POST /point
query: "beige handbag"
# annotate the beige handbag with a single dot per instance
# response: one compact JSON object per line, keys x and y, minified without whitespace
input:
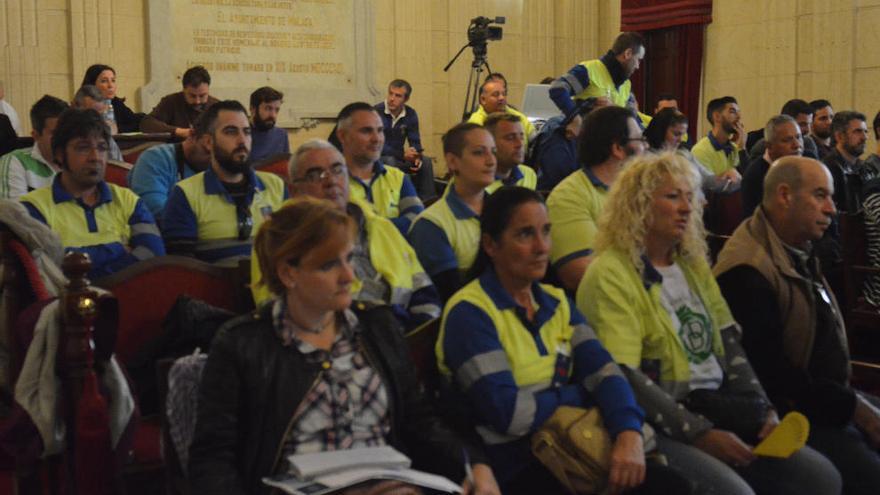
{"x":574,"y":445}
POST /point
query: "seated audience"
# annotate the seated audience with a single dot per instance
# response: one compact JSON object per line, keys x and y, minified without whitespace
{"x":554,"y":150}
{"x":446,"y":236}
{"x":360,"y":131}
{"x":160,"y":167}
{"x":123,"y":118}
{"x":721,"y":151}
{"x":850,"y":136}
{"x":305,"y":374}
{"x":26,"y":169}
{"x":665,"y":133}
{"x":782,"y":137}
{"x":494,"y":342}
{"x":655,"y":306}
{"x":802,"y":113}
{"x":213,"y":214}
{"x":89,"y":96}
{"x":177,"y":113}
{"x":608,"y":137}
{"x":793,"y":330}
{"x":823,"y":114}
{"x":493,"y":98}
{"x":510,"y":152}
{"x":9,"y":110}
{"x":386,"y":268}
{"x":607,"y":78}
{"x":107,"y":222}
{"x":267,"y":139}
{"x":403,"y":143}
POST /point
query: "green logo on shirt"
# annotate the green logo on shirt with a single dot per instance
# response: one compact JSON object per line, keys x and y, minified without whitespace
{"x":695,"y":334}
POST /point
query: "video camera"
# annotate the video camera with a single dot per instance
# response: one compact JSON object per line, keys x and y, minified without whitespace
{"x":480,"y":31}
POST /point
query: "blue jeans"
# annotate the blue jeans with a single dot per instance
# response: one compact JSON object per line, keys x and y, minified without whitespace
{"x":848,"y":449}
{"x":805,"y":473}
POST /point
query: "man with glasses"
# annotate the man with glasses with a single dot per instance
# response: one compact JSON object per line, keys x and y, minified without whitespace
{"x":109,"y":223}
{"x":214,"y":214}
{"x":387,"y":270}
{"x":608,"y":137}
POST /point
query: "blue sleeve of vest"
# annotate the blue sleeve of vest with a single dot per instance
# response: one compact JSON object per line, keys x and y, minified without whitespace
{"x":432,"y":247}
{"x":557,"y":159}
{"x":410,"y":206}
{"x":35,"y":213}
{"x":145,"y":243}
{"x":470,"y":338}
{"x":612,"y":393}
{"x":424,"y":305}
{"x":153,"y":176}
{"x":571,"y":83}
{"x":178,"y":219}
{"x":286,"y":193}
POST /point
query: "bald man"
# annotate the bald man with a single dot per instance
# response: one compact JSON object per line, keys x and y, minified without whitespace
{"x":793,"y":331}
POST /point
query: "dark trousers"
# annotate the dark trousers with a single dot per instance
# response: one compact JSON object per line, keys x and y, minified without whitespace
{"x":423,"y":179}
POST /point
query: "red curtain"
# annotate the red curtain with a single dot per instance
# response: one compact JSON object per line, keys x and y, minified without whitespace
{"x":688,"y":18}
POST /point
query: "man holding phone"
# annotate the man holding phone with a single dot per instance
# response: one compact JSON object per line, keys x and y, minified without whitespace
{"x":722,"y":150}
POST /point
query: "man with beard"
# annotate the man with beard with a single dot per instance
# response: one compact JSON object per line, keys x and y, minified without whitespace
{"x":105,"y":221}
{"x":160,"y":167}
{"x":821,"y":132}
{"x":391,"y":193}
{"x":267,"y":139}
{"x":850,"y":135}
{"x":605,"y":78}
{"x":720,"y":150}
{"x":608,"y":137}
{"x":177,"y":112}
{"x":510,"y":152}
{"x":214,"y":215}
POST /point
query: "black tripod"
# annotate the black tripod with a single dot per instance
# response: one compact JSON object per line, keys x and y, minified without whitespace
{"x":472,"y":97}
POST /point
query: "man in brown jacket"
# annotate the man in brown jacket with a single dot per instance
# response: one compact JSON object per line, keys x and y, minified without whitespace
{"x":177,"y":112}
{"x":793,"y":331}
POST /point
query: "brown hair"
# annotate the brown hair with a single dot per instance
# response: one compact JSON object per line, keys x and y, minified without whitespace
{"x":298,"y":227}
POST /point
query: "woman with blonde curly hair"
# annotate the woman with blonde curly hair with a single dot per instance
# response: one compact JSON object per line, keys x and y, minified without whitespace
{"x":654,"y":304}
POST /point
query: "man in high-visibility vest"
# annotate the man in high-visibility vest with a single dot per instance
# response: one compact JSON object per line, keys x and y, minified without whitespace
{"x":605,"y":78}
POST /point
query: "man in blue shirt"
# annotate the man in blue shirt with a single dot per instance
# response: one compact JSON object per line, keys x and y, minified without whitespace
{"x":267,"y":140}
{"x":403,"y":144}
{"x":159,"y":168}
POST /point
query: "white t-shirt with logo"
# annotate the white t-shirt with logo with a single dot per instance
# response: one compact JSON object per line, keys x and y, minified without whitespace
{"x":693,"y":326}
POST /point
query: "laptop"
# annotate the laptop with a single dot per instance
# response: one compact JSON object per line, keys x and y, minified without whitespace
{"x":537,"y":104}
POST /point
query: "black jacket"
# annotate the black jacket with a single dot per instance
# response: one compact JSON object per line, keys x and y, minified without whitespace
{"x":252,"y":385}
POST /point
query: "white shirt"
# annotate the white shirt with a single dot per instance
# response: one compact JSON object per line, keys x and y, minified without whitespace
{"x":10,"y":112}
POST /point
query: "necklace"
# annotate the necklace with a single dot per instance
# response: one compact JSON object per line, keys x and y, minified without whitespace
{"x":312,"y":330}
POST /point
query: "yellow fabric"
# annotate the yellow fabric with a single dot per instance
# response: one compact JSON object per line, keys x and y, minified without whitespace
{"x":385,"y":191}
{"x":716,"y":161}
{"x":69,"y":222}
{"x":601,"y":84}
{"x":216,"y":217}
{"x":390,"y":255}
{"x":527,"y":364}
{"x":463,"y":234}
{"x":632,"y":323}
{"x":574,"y":206}
{"x":529,"y":180}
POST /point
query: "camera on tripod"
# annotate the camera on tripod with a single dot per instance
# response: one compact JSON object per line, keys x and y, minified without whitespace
{"x":480,"y":31}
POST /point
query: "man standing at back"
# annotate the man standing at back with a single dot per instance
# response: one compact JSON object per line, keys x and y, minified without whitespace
{"x":403,"y":142}
{"x":214,"y":215}
{"x":177,"y":112}
{"x":267,"y":139}
{"x":605,"y":78}
{"x":360,"y":131}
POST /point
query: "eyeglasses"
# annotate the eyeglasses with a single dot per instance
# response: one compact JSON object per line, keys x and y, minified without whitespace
{"x":245,"y":221}
{"x":317,"y":175}
{"x":643,"y":139}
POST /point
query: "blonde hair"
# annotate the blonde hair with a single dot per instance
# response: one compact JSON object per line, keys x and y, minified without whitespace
{"x":298,"y":227}
{"x":628,"y":210}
